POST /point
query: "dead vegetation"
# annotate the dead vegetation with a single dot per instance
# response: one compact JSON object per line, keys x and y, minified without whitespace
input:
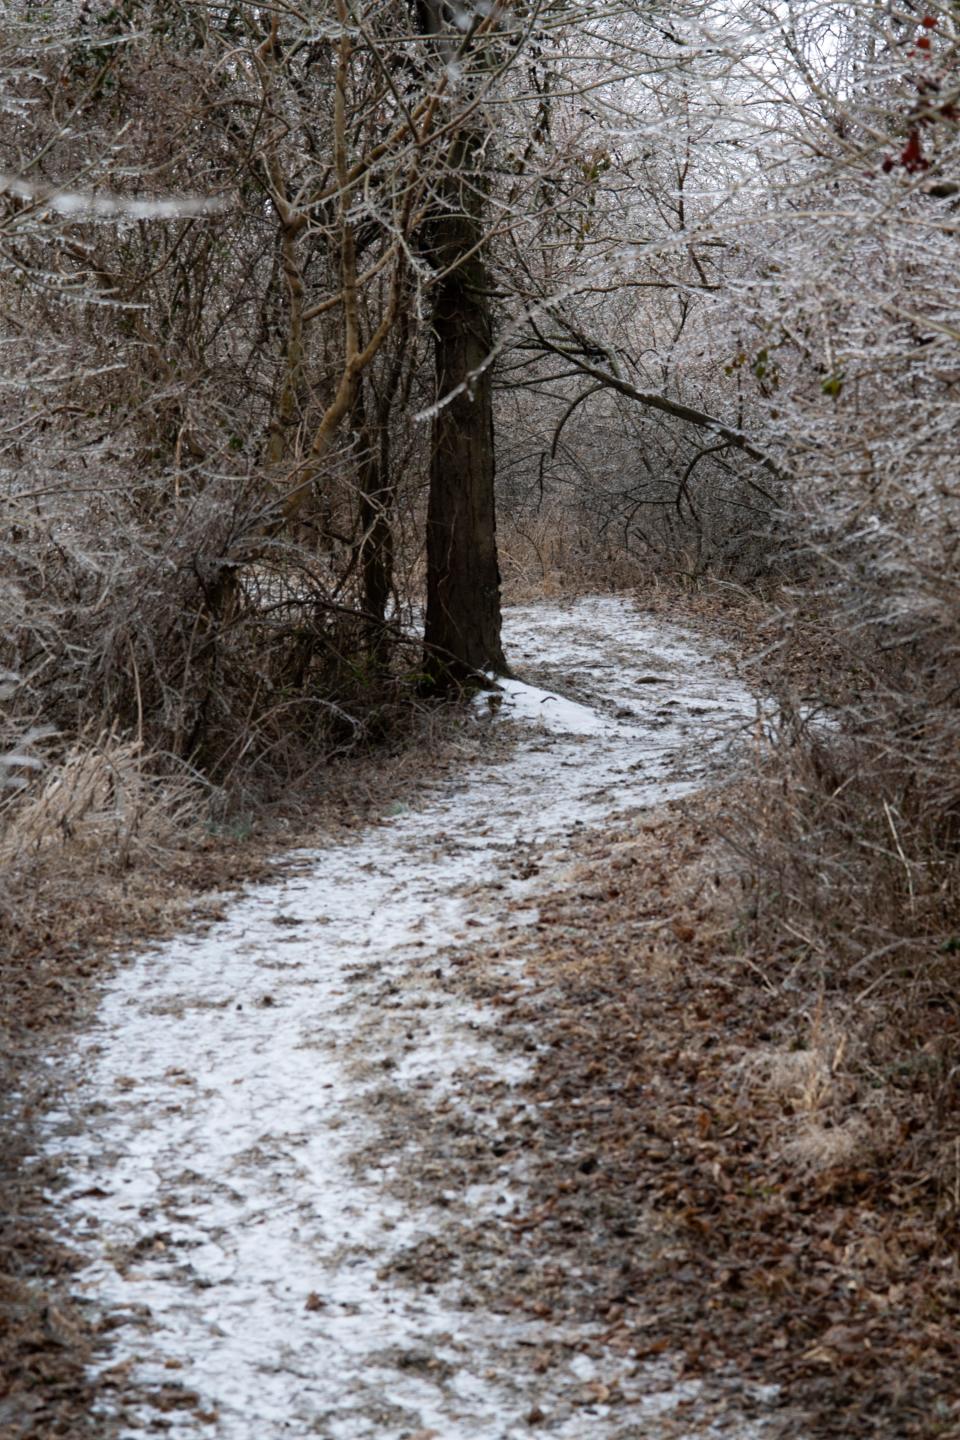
{"x":172,"y":667}
{"x":740,"y":1157}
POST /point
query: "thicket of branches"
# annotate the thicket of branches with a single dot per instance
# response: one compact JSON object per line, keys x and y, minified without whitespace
{"x":852,"y":335}
{"x":706,"y":262}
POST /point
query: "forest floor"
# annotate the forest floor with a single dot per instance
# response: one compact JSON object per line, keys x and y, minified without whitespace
{"x":477,"y":1120}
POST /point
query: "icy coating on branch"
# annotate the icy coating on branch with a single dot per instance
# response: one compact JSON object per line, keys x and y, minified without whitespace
{"x":88,"y":203}
{"x":214,"y":1120}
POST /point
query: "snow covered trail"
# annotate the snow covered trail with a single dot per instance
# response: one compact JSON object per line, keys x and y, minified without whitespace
{"x":220,"y":1119}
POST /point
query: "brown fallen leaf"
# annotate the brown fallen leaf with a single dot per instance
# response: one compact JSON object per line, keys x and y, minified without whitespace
{"x":595,"y":1393}
{"x":656,"y":1347}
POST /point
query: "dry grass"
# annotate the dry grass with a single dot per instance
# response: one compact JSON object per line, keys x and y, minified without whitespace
{"x":845,"y":838}
{"x":855,"y":881}
{"x":135,"y":837}
{"x":106,"y":798}
{"x":94,"y":843}
{"x":828,"y":1122}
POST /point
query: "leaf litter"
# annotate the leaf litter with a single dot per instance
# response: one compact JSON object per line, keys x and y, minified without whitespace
{"x":303,"y":1150}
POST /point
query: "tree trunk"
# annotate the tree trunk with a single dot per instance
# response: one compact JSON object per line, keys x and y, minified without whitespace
{"x":462,"y":632}
{"x":376,"y":504}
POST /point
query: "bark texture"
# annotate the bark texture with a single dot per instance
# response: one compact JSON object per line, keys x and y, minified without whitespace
{"x":462,"y":632}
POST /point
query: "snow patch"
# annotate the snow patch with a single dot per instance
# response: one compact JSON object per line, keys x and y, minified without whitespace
{"x":551,"y":712}
{"x":212,"y":1121}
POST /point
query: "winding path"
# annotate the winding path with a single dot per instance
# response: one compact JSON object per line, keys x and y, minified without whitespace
{"x":239,"y":1158}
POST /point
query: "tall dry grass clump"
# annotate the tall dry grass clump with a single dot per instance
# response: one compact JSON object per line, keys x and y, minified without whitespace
{"x":78,"y":818}
{"x":100,"y":798}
